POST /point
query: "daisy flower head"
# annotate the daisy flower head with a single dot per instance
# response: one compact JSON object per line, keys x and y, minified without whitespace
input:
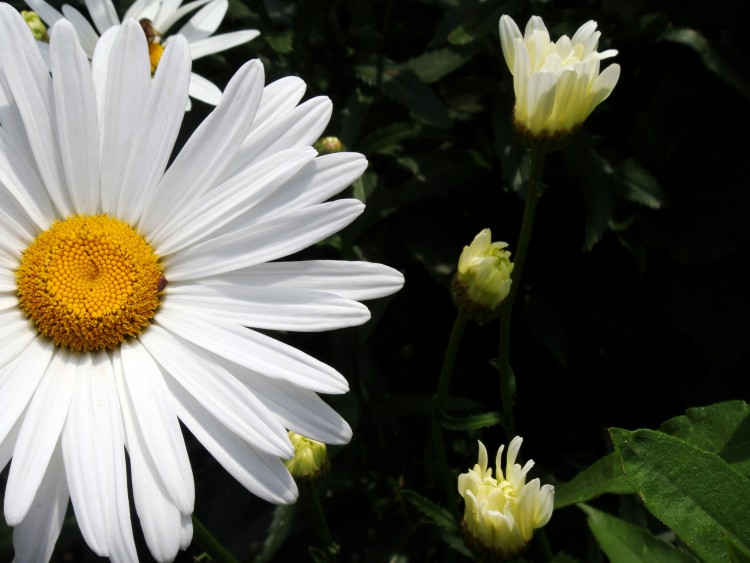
{"x":127,"y":286}
{"x":157,"y":17}
{"x":557,"y":83}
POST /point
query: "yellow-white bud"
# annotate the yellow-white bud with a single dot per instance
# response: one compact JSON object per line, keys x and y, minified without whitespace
{"x":557,"y":84}
{"x":35,"y":23}
{"x":482,"y":281}
{"x":310,"y":461}
{"x":502,"y":512}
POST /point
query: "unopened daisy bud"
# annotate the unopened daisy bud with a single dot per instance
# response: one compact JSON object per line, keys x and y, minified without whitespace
{"x":310,"y":461}
{"x":482,"y":281}
{"x":38,"y":29}
{"x":328,"y":145}
{"x":557,"y":84}
{"x":502,"y":512}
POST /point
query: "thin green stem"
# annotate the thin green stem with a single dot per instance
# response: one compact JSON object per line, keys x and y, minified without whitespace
{"x":543,"y":542}
{"x":507,"y":379}
{"x":330,"y":548}
{"x":438,"y":410}
{"x":208,"y":543}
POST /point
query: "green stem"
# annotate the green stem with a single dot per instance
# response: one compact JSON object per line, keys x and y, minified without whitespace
{"x":543,"y":542}
{"x":208,"y":543}
{"x":438,"y":410}
{"x":507,"y":379}
{"x":330,"y":548}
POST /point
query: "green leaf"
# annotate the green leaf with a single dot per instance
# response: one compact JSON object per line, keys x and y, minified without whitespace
{"x":406,"y":88}
{"x":431,"y":66}
{"x":440,"y":517}
{"x":604,"y":476}
{"x":713,"y":61}
{"x":636,"y":184}
{"x":737,"y":553}
{"x":282,"y":43}
{"x":624,"y":542}
{"x":388,"y":139}
{"x":695,"y":493}
{"x":472,"y":422}
{"x":722,"y":428}
{"x":281,"y":525}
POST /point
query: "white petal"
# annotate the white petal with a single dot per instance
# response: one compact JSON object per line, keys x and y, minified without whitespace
{"x":14,"y":239}
{"x":210,"y":147}
{"x":39,"y":434}
{"x":262,"y":474}
{"x":583,"y":34}
{"x":19,"y":379}
{"x":34,"y":538}
{"x":164,"y":8}
{"x":298,"y":409}
{"x":103,"y":13}
{"x":85,"y":32}
{"x":251,"y":349}
{"x":540,"y":99}
{"x":93,"y":449}
{"x":149,"y":402}
{"x":205,"y":21}
{"x":221,"y":42}
{"x":100,"y":66}
{"x":273,"y":308}
{"x":159,"y":124}
{"x":279,"y":98}
{"x":218,"y":392}
{"x":275,"y":238}
{"x":166,"y":21}
{"x":321,"y":179}
{"x":159,"y":518}
{"x":8,"y":443}
{"x":200,"y":218}
{"x":16,"y":333}
{"x":204,"y":90}
{"x":352,"y":280}
{"x":603,"y":86}
{"x":77,"y":119}
{"x":126,"y":92}
{"x":509,"y":32}
{"x":31,"y":85}
{"x":186,"y":531}
{"x":302,"y":126}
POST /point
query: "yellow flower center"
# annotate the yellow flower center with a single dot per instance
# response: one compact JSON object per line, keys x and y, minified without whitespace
{"x":89,"y":281}
{"x":155,"y":51}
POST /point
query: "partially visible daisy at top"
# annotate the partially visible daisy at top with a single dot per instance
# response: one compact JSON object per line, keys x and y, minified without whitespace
{"x":157,"y":17}
{"x":557,"y":84}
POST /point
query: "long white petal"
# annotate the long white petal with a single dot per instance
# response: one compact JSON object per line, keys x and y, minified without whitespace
{"x":19,"y":379}
{"x":273,"y":308}
{"x":103,"y":13}
{"x":155,"y":417}
{"x":269,"y":240}
{"x":262,"y":474}
{"x":210,"y":147}
{"x":39,"y":435}
{"x":160,"y":519}
{"x":31,"y":85}
{"x":218,"y":391}
{"x":221,"y":42}
{"x":86,"y":34}
{"x":205,"y":215}
{"x":253,"y":350}
{"x":204,"y":90}
{"x":77,"y":117}
{"x":45,"y":10}
{"x":166,"y":21}
{"x":35,"y":537}
{"x":125,"y":95}
{"x":298,"y":409}
{"x":205,"y":21}
{"x":160,"y":122}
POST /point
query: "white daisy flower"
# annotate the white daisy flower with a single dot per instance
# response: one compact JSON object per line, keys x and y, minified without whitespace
{"x":126,"y":287}
{"x":157,"y":17}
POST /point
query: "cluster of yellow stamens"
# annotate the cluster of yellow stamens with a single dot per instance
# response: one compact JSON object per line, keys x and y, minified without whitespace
{"x":89,"y":281}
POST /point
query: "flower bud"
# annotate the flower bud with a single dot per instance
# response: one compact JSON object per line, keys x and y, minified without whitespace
{"x":329,"y":145}
{"x":35,"y":23}
{"x":482,"y":281}
{"x":310,"y":461}
{"x":502,"y":512}
{"x":557,"y":84}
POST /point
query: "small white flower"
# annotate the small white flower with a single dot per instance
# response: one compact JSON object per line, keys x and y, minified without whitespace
{"x":161,"y":15}
{"x":557,"y":84}
{"x":502,"y":512}
{"x":126,"y":286}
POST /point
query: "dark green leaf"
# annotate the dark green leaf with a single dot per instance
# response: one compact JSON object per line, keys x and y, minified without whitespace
{"x":604,"y":476}
{"x":434,"y":65}
{"x":281,"y":524}
{"x":440,"y":517}
{"x":695,"y":493}
{"x":737,"y":553}
{"x":473,"y":422}
{"x":282,"y":43}
{"x":624,"y":542}
{"x":407,"y":89}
